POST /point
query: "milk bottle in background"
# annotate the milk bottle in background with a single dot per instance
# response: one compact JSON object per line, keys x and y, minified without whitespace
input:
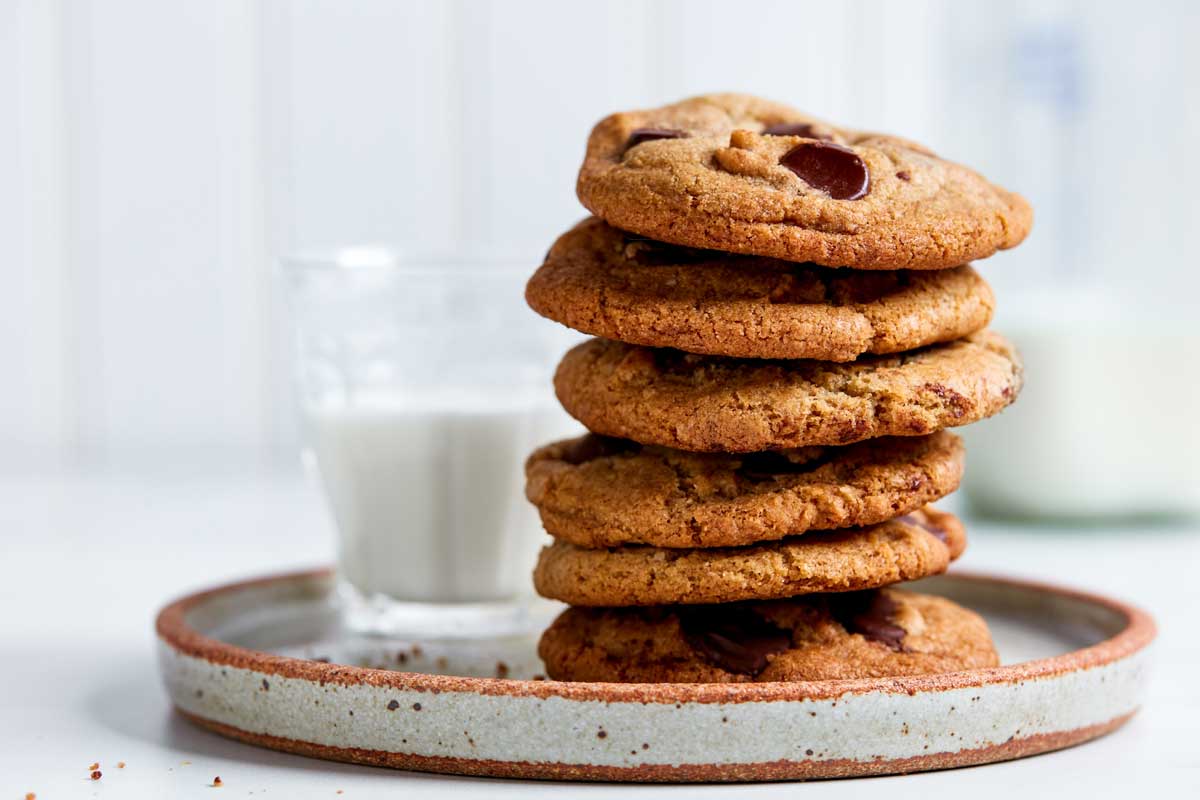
{"x":429,"y":503}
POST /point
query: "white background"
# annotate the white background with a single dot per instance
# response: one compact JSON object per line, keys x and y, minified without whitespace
{"x":157,"y":157}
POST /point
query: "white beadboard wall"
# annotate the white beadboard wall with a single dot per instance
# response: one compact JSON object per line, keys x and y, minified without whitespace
{"x":156,"y":158}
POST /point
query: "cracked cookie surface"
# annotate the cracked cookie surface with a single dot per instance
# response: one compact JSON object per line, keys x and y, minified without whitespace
{"x":602,"y":281}
{"x":873,"y":634}
{"x":594,"y":491}
{"x":715,"y":404}
{"x":913,"y":546}
{"x":740,"y":174}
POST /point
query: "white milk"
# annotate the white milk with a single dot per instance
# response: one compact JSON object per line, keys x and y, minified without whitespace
{"x":430,"y":505}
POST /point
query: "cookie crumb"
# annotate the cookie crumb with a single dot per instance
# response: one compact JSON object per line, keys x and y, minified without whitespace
{"x":217,"y":783}
{"x":97,"y":774}
{"x":416,"y":651}
{"x":30,"y":796}
{"x":93,"y":766}
{"x":120,"y":765}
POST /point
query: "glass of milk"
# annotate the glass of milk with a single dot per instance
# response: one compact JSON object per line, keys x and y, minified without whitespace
{"x":424,"y":385}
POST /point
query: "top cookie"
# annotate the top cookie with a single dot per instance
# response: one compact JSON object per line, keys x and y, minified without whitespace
{"x":736,"y":173}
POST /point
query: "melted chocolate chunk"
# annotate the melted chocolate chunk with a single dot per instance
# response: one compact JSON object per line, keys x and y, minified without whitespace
{"x":650,"y":134}
{"x":595,"y":446}
{"x":794,"y":129}
{"x":869,"y":614}
{"x":833,"y":169}
{"x":732,"y":637}
{"x":768,"y":465}
{"x":913,"y":519}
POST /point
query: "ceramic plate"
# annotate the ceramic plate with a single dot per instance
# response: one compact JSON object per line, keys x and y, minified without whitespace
{"x":265,"y":662}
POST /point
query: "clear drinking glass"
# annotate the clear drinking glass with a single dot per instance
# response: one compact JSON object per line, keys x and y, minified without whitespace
{"x":424,"y":384}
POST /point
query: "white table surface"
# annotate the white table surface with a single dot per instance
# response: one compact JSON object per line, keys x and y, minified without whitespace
{"x":89,"y":555}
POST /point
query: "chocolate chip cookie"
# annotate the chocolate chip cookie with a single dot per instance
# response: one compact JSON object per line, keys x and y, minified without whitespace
{"x":906,"y":548}
{"x":739,"y":174}
{"x":602,"y":281}
{"x":711,"y":404}
{"x":596,"y":491}
{"x":875,"y":633}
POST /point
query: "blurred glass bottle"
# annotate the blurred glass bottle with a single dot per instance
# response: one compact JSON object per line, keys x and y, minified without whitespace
{"x":1083,"y":117}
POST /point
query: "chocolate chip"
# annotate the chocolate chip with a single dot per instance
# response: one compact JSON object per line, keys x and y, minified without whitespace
{"x":769,"y":464}
{"x":869,"y":614}
{"x":833,"y":169}
{"x":393,"y":705}
{"x":904,"y":175}
{"x":925,"y":524}
{"x":593,"y":446}
{"x":958,"y":404}
{"x":732,"y":637}
{"x":650,"y":134}
{"x":794,"y":129}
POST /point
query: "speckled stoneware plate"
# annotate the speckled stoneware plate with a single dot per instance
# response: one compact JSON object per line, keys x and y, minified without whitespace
{"x":257,"y":661}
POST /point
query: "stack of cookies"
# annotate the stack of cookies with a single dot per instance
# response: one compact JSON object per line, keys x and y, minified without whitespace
{"x":787,"y":324}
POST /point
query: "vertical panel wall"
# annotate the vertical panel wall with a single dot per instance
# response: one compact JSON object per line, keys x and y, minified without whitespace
{"x":34,"y":329}
{"x":161,"y":156}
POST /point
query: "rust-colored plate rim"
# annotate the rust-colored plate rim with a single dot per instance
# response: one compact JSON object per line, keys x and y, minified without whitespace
{"x":785,"y":770}
{"x":174,"y":630}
